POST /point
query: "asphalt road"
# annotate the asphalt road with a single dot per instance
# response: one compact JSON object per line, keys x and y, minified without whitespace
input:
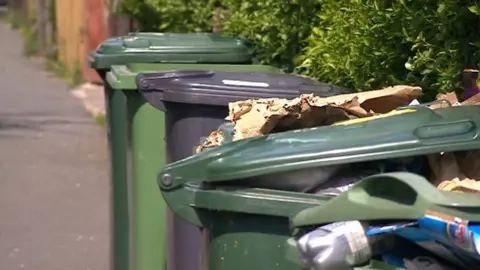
{"x":54,"y":188}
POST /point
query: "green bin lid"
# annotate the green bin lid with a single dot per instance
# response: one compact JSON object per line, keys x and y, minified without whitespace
{"x":123,"y":76}
{"x":170,"y":48}
{"x":421,"y":132}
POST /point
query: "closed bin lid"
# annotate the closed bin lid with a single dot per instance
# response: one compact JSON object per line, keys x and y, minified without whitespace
{"x":170,"y":48}
{"x":218,"y":88}
{"x":123,"y":76}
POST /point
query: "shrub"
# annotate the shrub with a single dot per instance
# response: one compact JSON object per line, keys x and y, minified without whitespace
{"x":170,"y":15}
{"x":365,"y":44}
{"x":278,"y":28}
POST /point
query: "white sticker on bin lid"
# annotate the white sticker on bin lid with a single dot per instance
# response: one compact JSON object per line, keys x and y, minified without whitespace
{"x":245,"y":83}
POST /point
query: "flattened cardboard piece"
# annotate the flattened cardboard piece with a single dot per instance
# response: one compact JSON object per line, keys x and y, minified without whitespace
{"x":451,"y":97}
{"x":444,"y":168}
{"x":456,"y":171}
{"x":262,"y":116}
{"x":456,"y":185}
{"x":378,"y":101}
{"x":474,"y":100}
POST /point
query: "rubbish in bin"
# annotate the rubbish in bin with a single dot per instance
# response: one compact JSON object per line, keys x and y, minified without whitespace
{"x":456,"y":171}
{"x":345,"y":179}
{"x":343,"y":245}
{"x":223,"y":134}
{"x":425,"y":263}
{"x":297,"y":114}
{"x":262,"y":116}
{"x":452,"y":99}
{"x":256,"y":117}
{"x":455,"y":234}
{"x":442,"y":169}
{"x":337,"y":246}
{"x":340,"y":184}
{"x":376,"y":198}
{"x":449,"y":98}
{"x":291,"y":153}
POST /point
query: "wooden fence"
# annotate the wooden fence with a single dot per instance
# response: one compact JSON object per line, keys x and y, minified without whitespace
{"x":45,"y":30}
{"x":70,"y":29}
{"x":70,"y":36}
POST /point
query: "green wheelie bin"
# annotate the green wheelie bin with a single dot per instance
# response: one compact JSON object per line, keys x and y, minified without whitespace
{"x":136,"y":133}
{"x":254,"y":196}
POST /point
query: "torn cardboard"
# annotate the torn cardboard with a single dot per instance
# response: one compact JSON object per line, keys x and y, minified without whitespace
{"x":450,"y":99}
{"x":258,"y":117}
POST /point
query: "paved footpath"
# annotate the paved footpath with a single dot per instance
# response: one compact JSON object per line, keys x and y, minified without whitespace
{"x":54,"y":186}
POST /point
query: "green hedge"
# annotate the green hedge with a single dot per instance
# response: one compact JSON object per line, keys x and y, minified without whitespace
{"x":280,"y":27}
{"x":369,"y":44}
{"x":360,"y":44}
{"x":170,"y":15}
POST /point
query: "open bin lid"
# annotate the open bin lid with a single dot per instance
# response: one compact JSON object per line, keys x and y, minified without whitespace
{"x":218,"y":88}
{"x":170,"y":48}
{"x":419,"y":132}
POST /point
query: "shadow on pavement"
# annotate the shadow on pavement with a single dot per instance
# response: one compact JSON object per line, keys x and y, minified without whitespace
{"x":38,"y":122}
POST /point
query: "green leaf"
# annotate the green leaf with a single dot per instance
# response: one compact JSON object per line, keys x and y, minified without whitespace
{"x":474,"y":10}
{"x":426,"y":71}
{"x":441,"y":8}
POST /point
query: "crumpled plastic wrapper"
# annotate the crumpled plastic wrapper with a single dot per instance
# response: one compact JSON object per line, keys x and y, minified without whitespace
{"x":223,"y":134}
{"x":256,"y":117}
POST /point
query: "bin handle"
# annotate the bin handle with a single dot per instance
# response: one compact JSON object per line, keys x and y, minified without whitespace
{"x":152,"y":81}
{"x":390,"y":196}
{"x":152,"y":84}
{"x":194,"y":202}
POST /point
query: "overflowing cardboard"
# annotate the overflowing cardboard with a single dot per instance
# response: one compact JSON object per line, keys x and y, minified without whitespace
{"x":256,"y":117}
